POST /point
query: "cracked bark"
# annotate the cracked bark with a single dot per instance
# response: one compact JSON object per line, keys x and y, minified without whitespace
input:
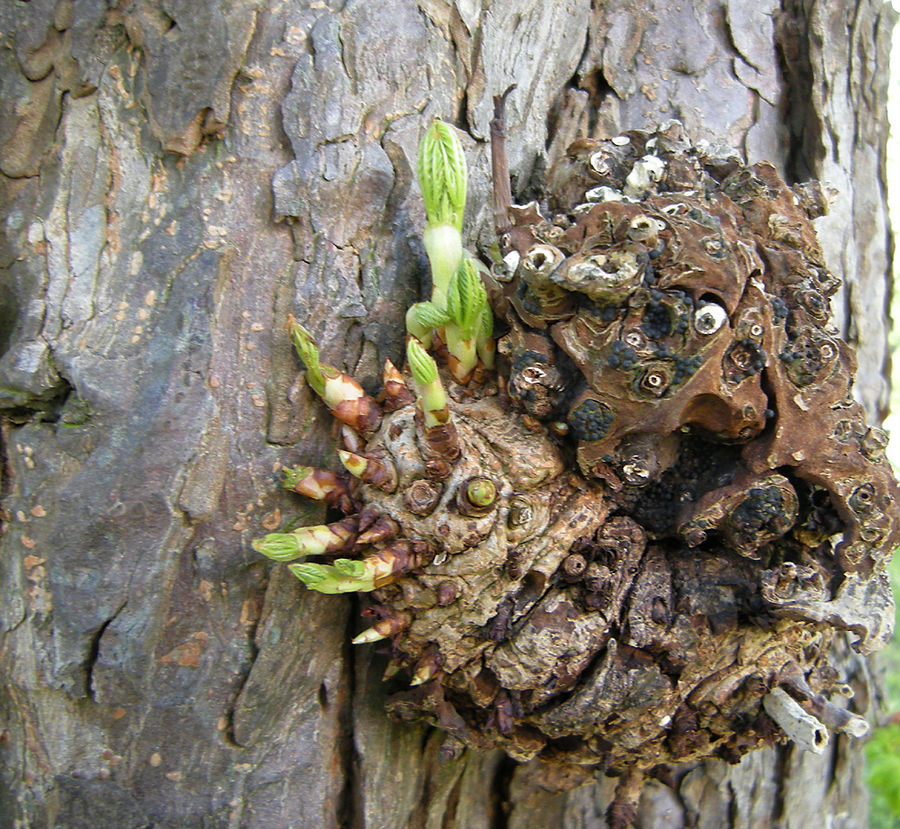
{"x":176,"y":179}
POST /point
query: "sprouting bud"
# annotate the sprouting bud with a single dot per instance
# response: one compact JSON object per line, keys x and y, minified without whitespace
{"x":396,"y":392}
{"x":394,"y":560}
{"x":343,"y":576}
{"x":423,"y":318}
{"x":426,"y":669}
{"x":423,"y":674}
{"x":421,"y":364}
{"x":381,"y":474}
{"x":442,"y":175}
{"x":311,"y":575}
{"x":354,"y":464}
{"x":352,"y":568}
{"x":318,"y":484}
{"x":301,"y":479}
{"x":485,"y":343}
{"x":307,"y":541}
{"x":308,"y":352}
{"x":367,"y":636}
{"x":416,"y":328}
{"x":467,"y":305}
{"x":442,"y":178}
{"x":481,"y":492}
{"x":466,"y":298}
{"x":382,"y":629}
{"x":346,"y":575}
{"x":432,"y":396}
{"x":278,"y":546}
{"x":442,"y":445}
{"x":339,"y":391}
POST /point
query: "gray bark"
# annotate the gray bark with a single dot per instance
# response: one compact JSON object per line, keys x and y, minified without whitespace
{"x":178,"y":176}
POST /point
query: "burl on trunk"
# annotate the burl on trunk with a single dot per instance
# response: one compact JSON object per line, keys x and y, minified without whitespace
{"x":627,"y":543}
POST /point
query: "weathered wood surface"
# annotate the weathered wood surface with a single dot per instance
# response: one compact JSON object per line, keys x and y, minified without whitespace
{"x":178,"y":176}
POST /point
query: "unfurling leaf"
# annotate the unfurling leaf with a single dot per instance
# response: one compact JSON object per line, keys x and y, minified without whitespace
{"x":442,"y":175}
{"x":427,"y":313}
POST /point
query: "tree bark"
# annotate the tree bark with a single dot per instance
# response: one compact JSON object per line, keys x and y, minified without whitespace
{"x":177,"y":177}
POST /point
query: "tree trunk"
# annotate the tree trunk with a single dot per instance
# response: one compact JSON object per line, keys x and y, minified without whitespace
{"x":177,"y":177}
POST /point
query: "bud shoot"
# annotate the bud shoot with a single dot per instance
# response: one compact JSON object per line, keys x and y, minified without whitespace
{"x":432,"y":397}
{"x":442,"y":175}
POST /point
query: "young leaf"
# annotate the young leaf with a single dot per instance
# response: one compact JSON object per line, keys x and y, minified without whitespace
{"x":466,"y":298}
{"x":442,"y":175}
{"x":430,"y":315}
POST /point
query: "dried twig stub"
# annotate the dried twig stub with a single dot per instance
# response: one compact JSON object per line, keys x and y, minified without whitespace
{"x":800,"y":726}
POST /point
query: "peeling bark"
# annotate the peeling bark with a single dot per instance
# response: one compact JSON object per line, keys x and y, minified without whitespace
{"x":176,"y":178}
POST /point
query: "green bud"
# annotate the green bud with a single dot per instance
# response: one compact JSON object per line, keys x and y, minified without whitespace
{"x":432,"y":396}
{"x":423,"y":367}
{"x":308,"y":352}
{"x":481,"y":492}
{"x":278,"y":546}
{"x":442,"y":175}
{"x":466,"y":298}
{"x":326,"y":578}
{"x":304,"y":541}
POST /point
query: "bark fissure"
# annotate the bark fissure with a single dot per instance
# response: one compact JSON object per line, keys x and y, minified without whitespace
{"x":806,"y":145}
{"x":349,"y":799}
{"x":502,"y":793}
{"x":94,"y":652}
